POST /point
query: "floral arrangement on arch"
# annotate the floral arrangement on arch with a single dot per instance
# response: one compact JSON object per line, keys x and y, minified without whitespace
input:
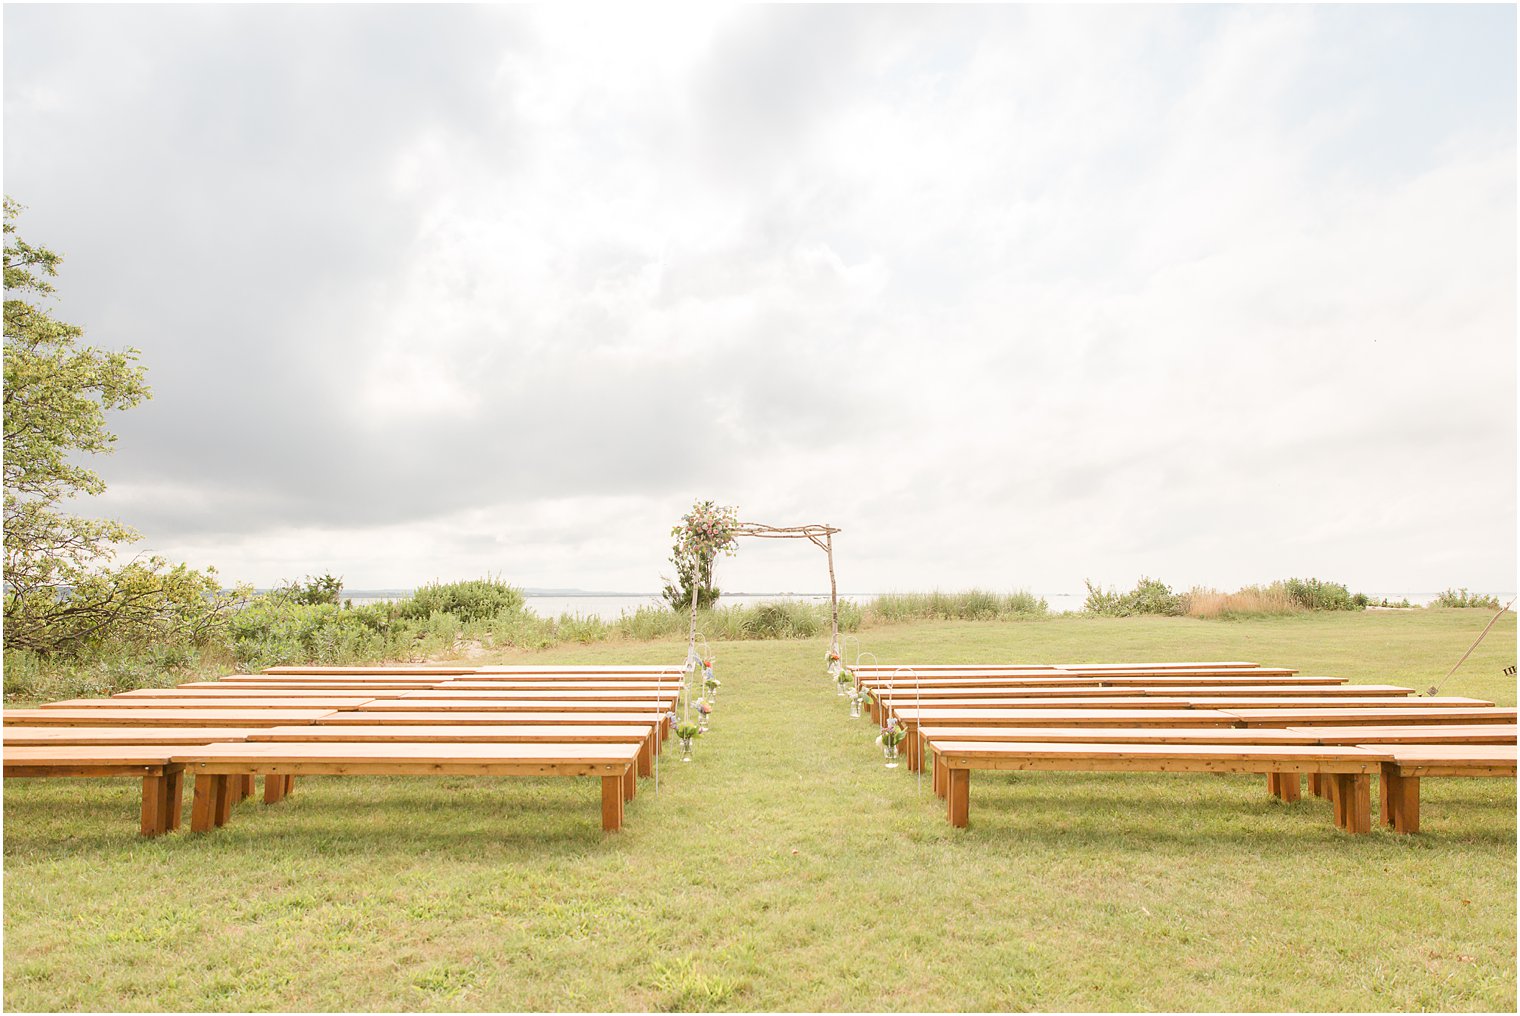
{"x":703,"y":533}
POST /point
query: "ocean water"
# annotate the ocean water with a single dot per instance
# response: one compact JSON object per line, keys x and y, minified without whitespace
{"x":609,"y":608}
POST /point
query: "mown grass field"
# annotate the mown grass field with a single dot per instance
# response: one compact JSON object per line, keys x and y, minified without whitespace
{"x":785,"y":869}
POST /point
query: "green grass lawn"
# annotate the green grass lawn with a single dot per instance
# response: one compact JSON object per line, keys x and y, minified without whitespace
{"x":786,"y":869}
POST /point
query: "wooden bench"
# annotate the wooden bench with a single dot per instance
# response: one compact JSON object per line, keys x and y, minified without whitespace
{"x":885,"y":706}
{"x":911,"y":717}
{"x":460,"y":717}
{"x":645,"y":735}
{"x":517,"y":705}
{"x":1278,"y":784}
{"x":219,"y":717}
{"x":669,"y":693}
{"x":332,"y":685}
{"x":1057,"y":679}
{"x":162,"y":776}
{"x":1335,"y":716}
{"x":1407,"y":764}
{"x":250,"y":701}
{"x":1348,"y":767}
{"x":1233,"y":703}
{"x":54,"y":735}
{"x":997,"y":667}
{"x":215,"y":766}
{"x":214,"y":692}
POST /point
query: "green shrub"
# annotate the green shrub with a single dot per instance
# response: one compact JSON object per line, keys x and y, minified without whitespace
{"x":1462,"y":598}
{"x":477,"y":600}
{"x":585,"y":630}
{"x":1313,"y":594}
{"x":34,"y":677}
{"x":326,"y":588}
{"x":1150,"y":596}
{"x":272,"y":631}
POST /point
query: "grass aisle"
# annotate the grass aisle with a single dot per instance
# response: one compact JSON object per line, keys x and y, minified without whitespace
{"x":785,"y":869}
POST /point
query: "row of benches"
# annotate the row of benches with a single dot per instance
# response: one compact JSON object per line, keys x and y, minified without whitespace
{"x":603,"y":722}
{"x":1071,"y":719}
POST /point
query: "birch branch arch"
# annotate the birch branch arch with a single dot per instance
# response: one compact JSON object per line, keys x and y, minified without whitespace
{"x":821,"y":536}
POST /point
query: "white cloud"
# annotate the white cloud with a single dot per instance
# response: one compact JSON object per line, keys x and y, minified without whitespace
{"x":1015,"y":296}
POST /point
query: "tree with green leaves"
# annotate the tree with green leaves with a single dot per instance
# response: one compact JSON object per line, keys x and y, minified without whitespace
{"x":58,"y":594}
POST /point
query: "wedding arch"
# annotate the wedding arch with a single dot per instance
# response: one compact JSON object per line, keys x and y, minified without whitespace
{"x":709,"y":529}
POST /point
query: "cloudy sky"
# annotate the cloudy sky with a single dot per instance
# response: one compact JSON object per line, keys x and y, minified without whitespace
{"x":1015,"y":297}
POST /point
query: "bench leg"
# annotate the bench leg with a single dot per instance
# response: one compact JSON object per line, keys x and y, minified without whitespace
{"x":612,"y":803}
{"x":915,"y":750}
{"x":1317,"y":784}
{"x":226,"y":787}
{"x":646,"y":756}
{"x":153,"y":805}
{"x":1353,"y":802}
{"x":630,"y":783}
{"x":958,"y":796}
{"x":274,"y":788}
{"x":938,"y":768}
{"x":174,"y":799}
{"x":1273,"y":785}
{"x":1400,"y":800}
{"x":203,"y":805}
{"x":248,"y":786}
{"x":290,"y":786}
{"x":1289,"y":788}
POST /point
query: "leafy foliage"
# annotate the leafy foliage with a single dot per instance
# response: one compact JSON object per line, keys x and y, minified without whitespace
{"x":477,"y":600}
{"x":1150,"y":596}
{"x":1462,"y":598}
{"x":326,"y":588}
{"x":1315,"y":594}
{"x":59,"y":597}
{"x":702,"y":534}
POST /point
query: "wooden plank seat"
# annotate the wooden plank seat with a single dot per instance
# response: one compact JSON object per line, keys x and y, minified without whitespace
{"x":1183,"y":665}
{"x":884,"y":706}
{"x":1056,"y":679}
{"x":1319,"y":691}
{"x":1278,"y":784}
{"x":220,"y":717}
{"x":1414,"y":733}
{"x":463,"y":717}
{"x":162,"y":776}
{"x":583,"y":668}
{"x":1407,"y":764}
{"x":1233,"y":703}
{"x":250,"y":701}
{"x":1348,"y":767}
{"x":56,"y":735}
{"x":1383,"y":715}
{"x":1350,"y":696}
{"x":670,"y":693}
{"x":911,"y":716}
{"x":215,"y":766}
{"x":220,"y":691}
{"x":637,"y":683}
{"x":333,"y":685}
{"x":1264,"y":675}
{"x":644,"y":734}
{"x":516,"y":705}
{"x":410,"y":671}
